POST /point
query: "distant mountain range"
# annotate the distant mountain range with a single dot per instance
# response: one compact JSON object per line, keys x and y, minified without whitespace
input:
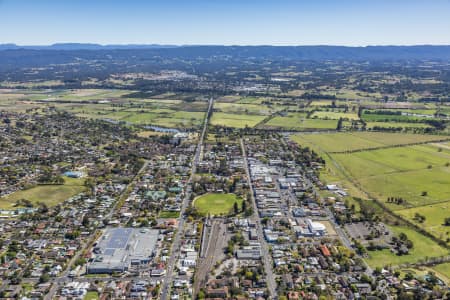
{"x":259,"y":52}
{"x":81,"y":46}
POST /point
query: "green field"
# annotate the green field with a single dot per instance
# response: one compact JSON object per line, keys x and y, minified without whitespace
{"x":371,"y":125}
{"x":169,"y":214}
{"x":392,"y":172}
{"x":393,"y":118}
{"x":251,"y":100}
{"x":423,"y":247}
{"x":319,"y":103}
{"x":340,"y":142}
{"x":87,"y":94}
{"x":109,"y":104}
{"x":216,"y":204}
{"x":156,"y":113}
{"x":298,"y":121}
{"x":417,"y":173}
{"x":443,"y":270}
{"x":91,"y":295}
{"x":336,"y":142}
{"x":48,"y":194}
{"x":400,"y":172}
{"x":435,"y":216}
{"x":333,"y":115}
{"x":354,"y":94}
{"x":239,"y":108}
{"x":235,"y":120}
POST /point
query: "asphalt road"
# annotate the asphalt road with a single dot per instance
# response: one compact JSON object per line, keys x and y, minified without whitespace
{"x":181,"y":221}
{"x":64,"y":276}
{"x":267,"y":261}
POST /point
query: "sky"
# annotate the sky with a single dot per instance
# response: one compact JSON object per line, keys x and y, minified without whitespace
{"x":226,"y":22}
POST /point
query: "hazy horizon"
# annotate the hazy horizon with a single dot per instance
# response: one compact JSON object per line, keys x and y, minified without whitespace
{"x":226,"y":45}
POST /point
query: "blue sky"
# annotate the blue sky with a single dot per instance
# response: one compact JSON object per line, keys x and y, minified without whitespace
{"x":230,"y":22}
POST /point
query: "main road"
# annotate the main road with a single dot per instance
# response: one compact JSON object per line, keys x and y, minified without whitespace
{"x":267,"y":261}
{"x":64,"y":276}
{"x":181,"y":221}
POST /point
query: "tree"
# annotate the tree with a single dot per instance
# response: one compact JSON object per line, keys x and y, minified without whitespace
{"x":44,"y":278}
{"x":403,"y":236}
{"x":447,"y":222}
{"x":236,"y":208}
{"x":339,"y":124}
{"x":85,"y":221}
{"x":60,"y":180}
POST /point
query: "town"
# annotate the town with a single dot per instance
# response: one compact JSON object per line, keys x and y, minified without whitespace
{"x":95,"y":210}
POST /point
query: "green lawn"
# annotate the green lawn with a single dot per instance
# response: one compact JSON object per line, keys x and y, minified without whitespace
{"x":91,"y":295}
{"x":48,"y":194}
{"x":169,"y":214}
{"x":423,"y":247}
{"x":235,"y":120}
{"x":216,"y":204}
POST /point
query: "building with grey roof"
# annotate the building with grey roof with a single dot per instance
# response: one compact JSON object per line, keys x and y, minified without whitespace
{"x":120,"y":249}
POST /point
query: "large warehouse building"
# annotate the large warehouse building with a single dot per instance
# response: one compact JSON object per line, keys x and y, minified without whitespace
{"x":120,"y":249}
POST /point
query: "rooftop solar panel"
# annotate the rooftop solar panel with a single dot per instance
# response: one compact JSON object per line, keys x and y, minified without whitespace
{"x":119,"y":238}
{"x":109,"y":252}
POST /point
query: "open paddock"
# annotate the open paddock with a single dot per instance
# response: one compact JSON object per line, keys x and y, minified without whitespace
{"x":423,"y":247}
{"x":235,"y":120}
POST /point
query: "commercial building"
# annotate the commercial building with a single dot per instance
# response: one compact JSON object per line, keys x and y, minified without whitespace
{"x":120,"y":249}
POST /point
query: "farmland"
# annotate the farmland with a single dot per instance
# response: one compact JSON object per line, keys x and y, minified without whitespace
{"x":393,"y":118}
{"x":238,"y":108}
{"x":112,"y":105}
{"x":386,"y":165}
{"x":333,"y":115}
{"x":372,"y":125}
{"x":297,"y":121}
{"x":361,"y":140}
{"x":216,"y":204}
{"x":241,"y":112}
{"x":417,"y":173}
{"x":235,"y":120}
{"x":434,"y":218}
